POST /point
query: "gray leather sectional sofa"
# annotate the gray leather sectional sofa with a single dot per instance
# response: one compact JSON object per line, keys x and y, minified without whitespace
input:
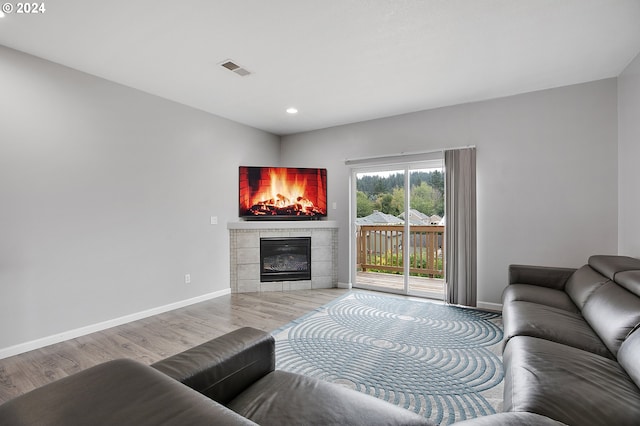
{"x":572,"y":342}
{"x":227,"y":381}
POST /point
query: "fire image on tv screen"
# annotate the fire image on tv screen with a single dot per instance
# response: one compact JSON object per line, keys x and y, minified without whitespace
{"x":283,"y":192}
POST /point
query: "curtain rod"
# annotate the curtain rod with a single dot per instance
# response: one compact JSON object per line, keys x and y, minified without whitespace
{"x":400,"y":156}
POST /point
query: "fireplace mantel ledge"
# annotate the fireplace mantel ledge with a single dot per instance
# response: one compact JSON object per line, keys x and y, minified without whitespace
{"x":283,"y":224}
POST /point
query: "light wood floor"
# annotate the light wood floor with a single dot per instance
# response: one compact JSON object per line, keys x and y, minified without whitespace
{"x":155,"y":338}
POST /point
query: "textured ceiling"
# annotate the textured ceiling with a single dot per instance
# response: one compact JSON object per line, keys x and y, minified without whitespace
{"x":337,"y":61}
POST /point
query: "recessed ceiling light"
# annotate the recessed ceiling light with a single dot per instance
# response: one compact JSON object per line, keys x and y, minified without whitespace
{"x":292,"y":110}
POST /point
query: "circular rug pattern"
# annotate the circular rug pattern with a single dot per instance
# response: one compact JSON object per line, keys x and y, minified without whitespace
{"x":437,"y":360}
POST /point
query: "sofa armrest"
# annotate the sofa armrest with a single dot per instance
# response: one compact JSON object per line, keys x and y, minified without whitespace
{"x":223,"y":367}
{"x":543,"y":276}
{"x":120,"y":392}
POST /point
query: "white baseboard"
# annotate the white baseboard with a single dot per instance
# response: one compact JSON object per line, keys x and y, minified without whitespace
{"x":82,"y":331}
{"x":497,"y":307}
{"x":344,"y":285}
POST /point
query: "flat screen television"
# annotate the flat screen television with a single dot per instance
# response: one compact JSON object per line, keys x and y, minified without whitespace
{"x":283,"y":193}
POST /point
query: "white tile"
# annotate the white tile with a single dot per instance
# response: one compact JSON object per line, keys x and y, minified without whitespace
{"x":248,"y":239}
{"x":297,"y":285}
{"x":248,"y":286}
{"x":249,"y":272}
{"x":322,"y":282}
{"x":269,"y":233}
{"x":245,"y":260}
{"x":321,"y":254}
{"x":321,"y":269}
{"x":300,"y":233}
{"x":274,"y":286}
{"x":248,"y":256}
{"x":321,"y":238}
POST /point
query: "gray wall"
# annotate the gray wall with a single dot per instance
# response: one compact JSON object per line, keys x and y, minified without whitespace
{"x":106,"y":192}
{"x":629,"y":160}
{"x":106,"y":195}
{"x":547,"y":193}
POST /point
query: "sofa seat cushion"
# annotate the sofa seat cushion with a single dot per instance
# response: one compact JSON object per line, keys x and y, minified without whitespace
{"x":121,"y":392}
{"x":282,"y":398}
{"x":568,"y":384}
{"x":549,"y":323}
{"x":541,"y":295}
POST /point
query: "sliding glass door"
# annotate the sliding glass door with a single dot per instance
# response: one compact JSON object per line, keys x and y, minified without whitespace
{"x":398,"y":228}
{"x":379,"y":229}
{"x":424,"y":251}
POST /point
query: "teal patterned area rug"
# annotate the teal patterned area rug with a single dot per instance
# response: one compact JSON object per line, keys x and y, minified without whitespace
{"x":440,"y":361}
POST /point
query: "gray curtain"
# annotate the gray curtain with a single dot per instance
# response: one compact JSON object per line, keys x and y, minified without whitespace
{"x":460,"y":231}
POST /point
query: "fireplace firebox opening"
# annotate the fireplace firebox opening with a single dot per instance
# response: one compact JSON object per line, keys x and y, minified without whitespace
{"x":285,"y":259}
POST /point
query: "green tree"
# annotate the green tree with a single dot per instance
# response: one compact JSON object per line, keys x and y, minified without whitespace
{"x":436,"y":181}
{"x":364,"y":204}
{"x":397,"y":201}
{"x":379,"y":186}
{"x":427,"y":200}
{"x":422,"y":198}
{"x":438,"y":205}
{"x":384,"y":203}
{"x":427,"y":189}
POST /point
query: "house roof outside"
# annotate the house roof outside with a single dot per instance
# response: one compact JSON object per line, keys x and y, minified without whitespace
{"x":379,"y":218}
{"x":415,"y":218}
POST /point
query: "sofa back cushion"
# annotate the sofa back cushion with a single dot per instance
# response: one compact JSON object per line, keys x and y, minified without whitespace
{"x":609,"y":266}
{"x":629,"y":280}
{"x":583,"y":283}
{"x":613,"y":312}
{"x":629,"y":354}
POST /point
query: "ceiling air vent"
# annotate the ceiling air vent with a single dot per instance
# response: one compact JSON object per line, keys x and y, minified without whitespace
{"x":231,"y":66}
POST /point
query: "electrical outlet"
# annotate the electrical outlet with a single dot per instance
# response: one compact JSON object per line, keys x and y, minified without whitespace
{"x":187,"y":278}
{"x":214,"y":220}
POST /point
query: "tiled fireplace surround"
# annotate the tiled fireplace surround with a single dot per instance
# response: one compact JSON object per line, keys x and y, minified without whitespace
{"x":245,"y":254}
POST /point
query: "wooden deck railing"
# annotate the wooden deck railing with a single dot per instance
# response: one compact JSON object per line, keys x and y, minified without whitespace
{"x":383,"y":248}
